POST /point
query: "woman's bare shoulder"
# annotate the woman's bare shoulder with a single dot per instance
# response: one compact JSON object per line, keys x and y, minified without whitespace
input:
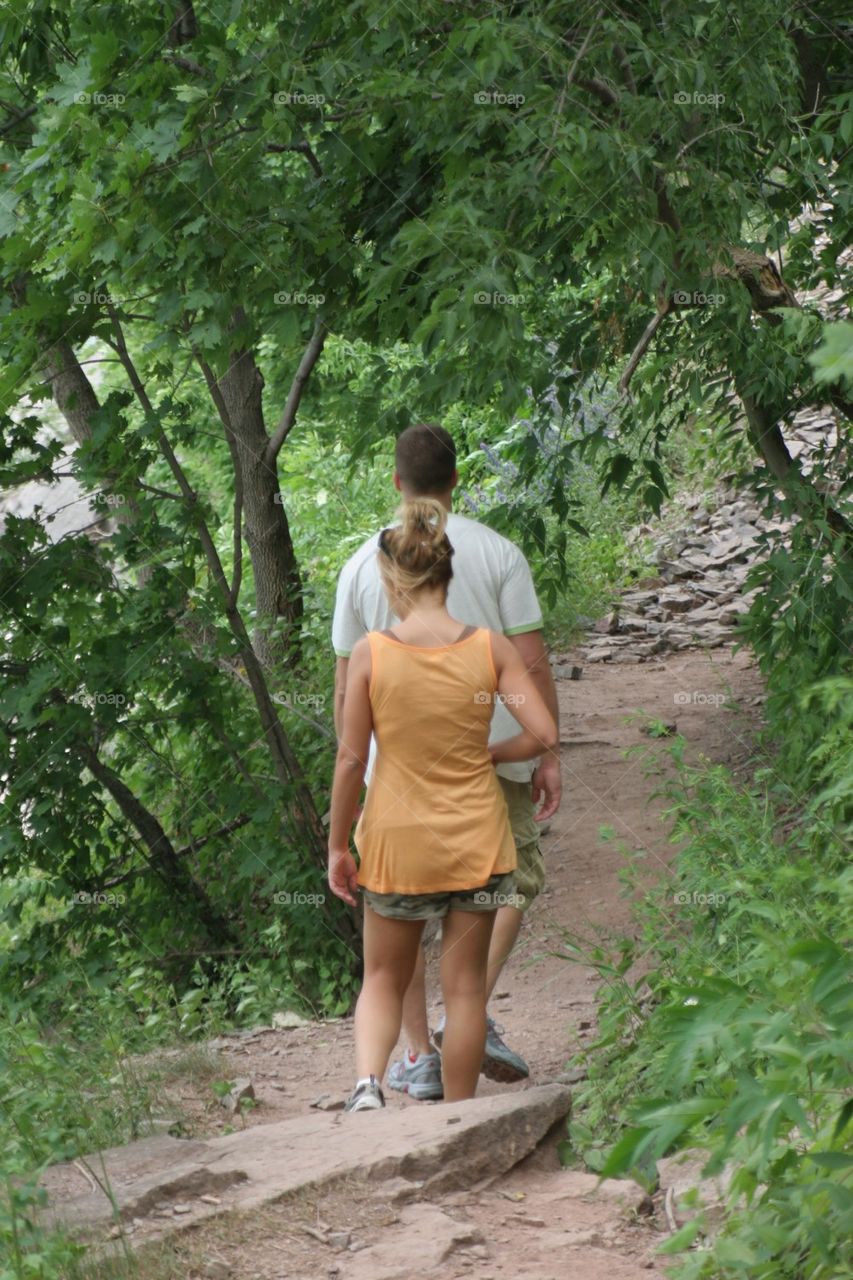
{"x":359,"y":659}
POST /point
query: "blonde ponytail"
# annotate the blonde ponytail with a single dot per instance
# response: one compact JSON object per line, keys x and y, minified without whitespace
{"x":416,"y":553}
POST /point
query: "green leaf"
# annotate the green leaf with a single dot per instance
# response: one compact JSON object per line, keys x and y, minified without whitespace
{"x":831,"y":1159}
{"x":189,"y":92}
{"x":844,"y":1116}
{"x":682,"y":1239}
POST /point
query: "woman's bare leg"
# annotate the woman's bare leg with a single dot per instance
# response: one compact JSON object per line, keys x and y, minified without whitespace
{"x":390,"y":951}
{"x":465,"y":938}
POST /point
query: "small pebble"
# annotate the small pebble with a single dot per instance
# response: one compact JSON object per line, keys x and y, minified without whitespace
{"x":216,"y":1270}
{"x":318,"y":1235}
{"x":329,"y":1102}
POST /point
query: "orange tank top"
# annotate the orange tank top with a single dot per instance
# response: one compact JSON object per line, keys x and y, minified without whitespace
{"x":434,"y":818}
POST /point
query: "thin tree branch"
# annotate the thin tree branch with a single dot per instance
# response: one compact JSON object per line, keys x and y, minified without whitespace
{"x":643,"y":345}
{"x":707,"y":132}
{"x":195,"y":845}
{"x":161,"y":493}
{"x":132,"y":874}
{"x":625,"y":65}
{"x":282,"y":701}
{"x":18,"y":119}
{"x":304,"y":148}
{"x":226,"y":744}
{"x":161,"y":852}
{"x":225,"y":418}
{"x":566,"y":86}
{"x":187,"y":64}
{"x":184,"y":28}
{"x":309,"y":358}
{"x":601,"y":90}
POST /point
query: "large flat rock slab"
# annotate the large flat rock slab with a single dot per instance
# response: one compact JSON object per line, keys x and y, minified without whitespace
{"x":437,"y":1148}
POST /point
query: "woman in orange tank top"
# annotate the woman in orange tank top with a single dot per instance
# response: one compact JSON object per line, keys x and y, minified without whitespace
{"x":434,"y":836}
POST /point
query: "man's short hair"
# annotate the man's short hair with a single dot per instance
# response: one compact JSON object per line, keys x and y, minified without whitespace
{"x":425,"y":458}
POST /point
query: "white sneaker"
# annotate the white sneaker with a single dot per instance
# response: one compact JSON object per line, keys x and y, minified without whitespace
{"x":419,"y":1077}
{"x":367,"y":1096}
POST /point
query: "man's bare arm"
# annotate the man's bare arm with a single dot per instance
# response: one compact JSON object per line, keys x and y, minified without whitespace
{"x":534,"y":655}
{"x":341,"y":668}
{"x":547,"y":780}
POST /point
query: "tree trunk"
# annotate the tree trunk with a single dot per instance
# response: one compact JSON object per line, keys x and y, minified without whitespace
{"x":278,"y":586}
{"x":766,"y":437}
{"x":162,"y":857}
{"x":77,"y":402}
{"x":73,"y":392}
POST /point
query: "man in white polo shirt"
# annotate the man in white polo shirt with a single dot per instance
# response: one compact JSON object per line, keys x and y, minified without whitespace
{"x":491,"y":587}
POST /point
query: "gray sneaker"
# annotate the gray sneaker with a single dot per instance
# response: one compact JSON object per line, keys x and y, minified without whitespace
{"x":366,"y":1097}
{"x":499,"y":1061}
{"x":420,"y":1079}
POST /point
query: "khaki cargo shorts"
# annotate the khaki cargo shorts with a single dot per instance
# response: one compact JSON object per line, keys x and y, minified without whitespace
{"x":530,"y":872}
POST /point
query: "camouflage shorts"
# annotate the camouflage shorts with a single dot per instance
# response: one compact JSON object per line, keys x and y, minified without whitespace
{"x":529,"y":875}
{"x":432,"y":907}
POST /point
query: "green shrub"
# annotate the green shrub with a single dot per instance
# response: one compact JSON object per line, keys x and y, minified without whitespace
{"x":727,"y":1025}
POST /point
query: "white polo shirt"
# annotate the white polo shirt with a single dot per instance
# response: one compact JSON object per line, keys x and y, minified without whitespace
{"x":491,"y":587}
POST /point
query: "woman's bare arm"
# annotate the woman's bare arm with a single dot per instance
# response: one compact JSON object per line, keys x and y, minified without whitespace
{"x":350,"y":766}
